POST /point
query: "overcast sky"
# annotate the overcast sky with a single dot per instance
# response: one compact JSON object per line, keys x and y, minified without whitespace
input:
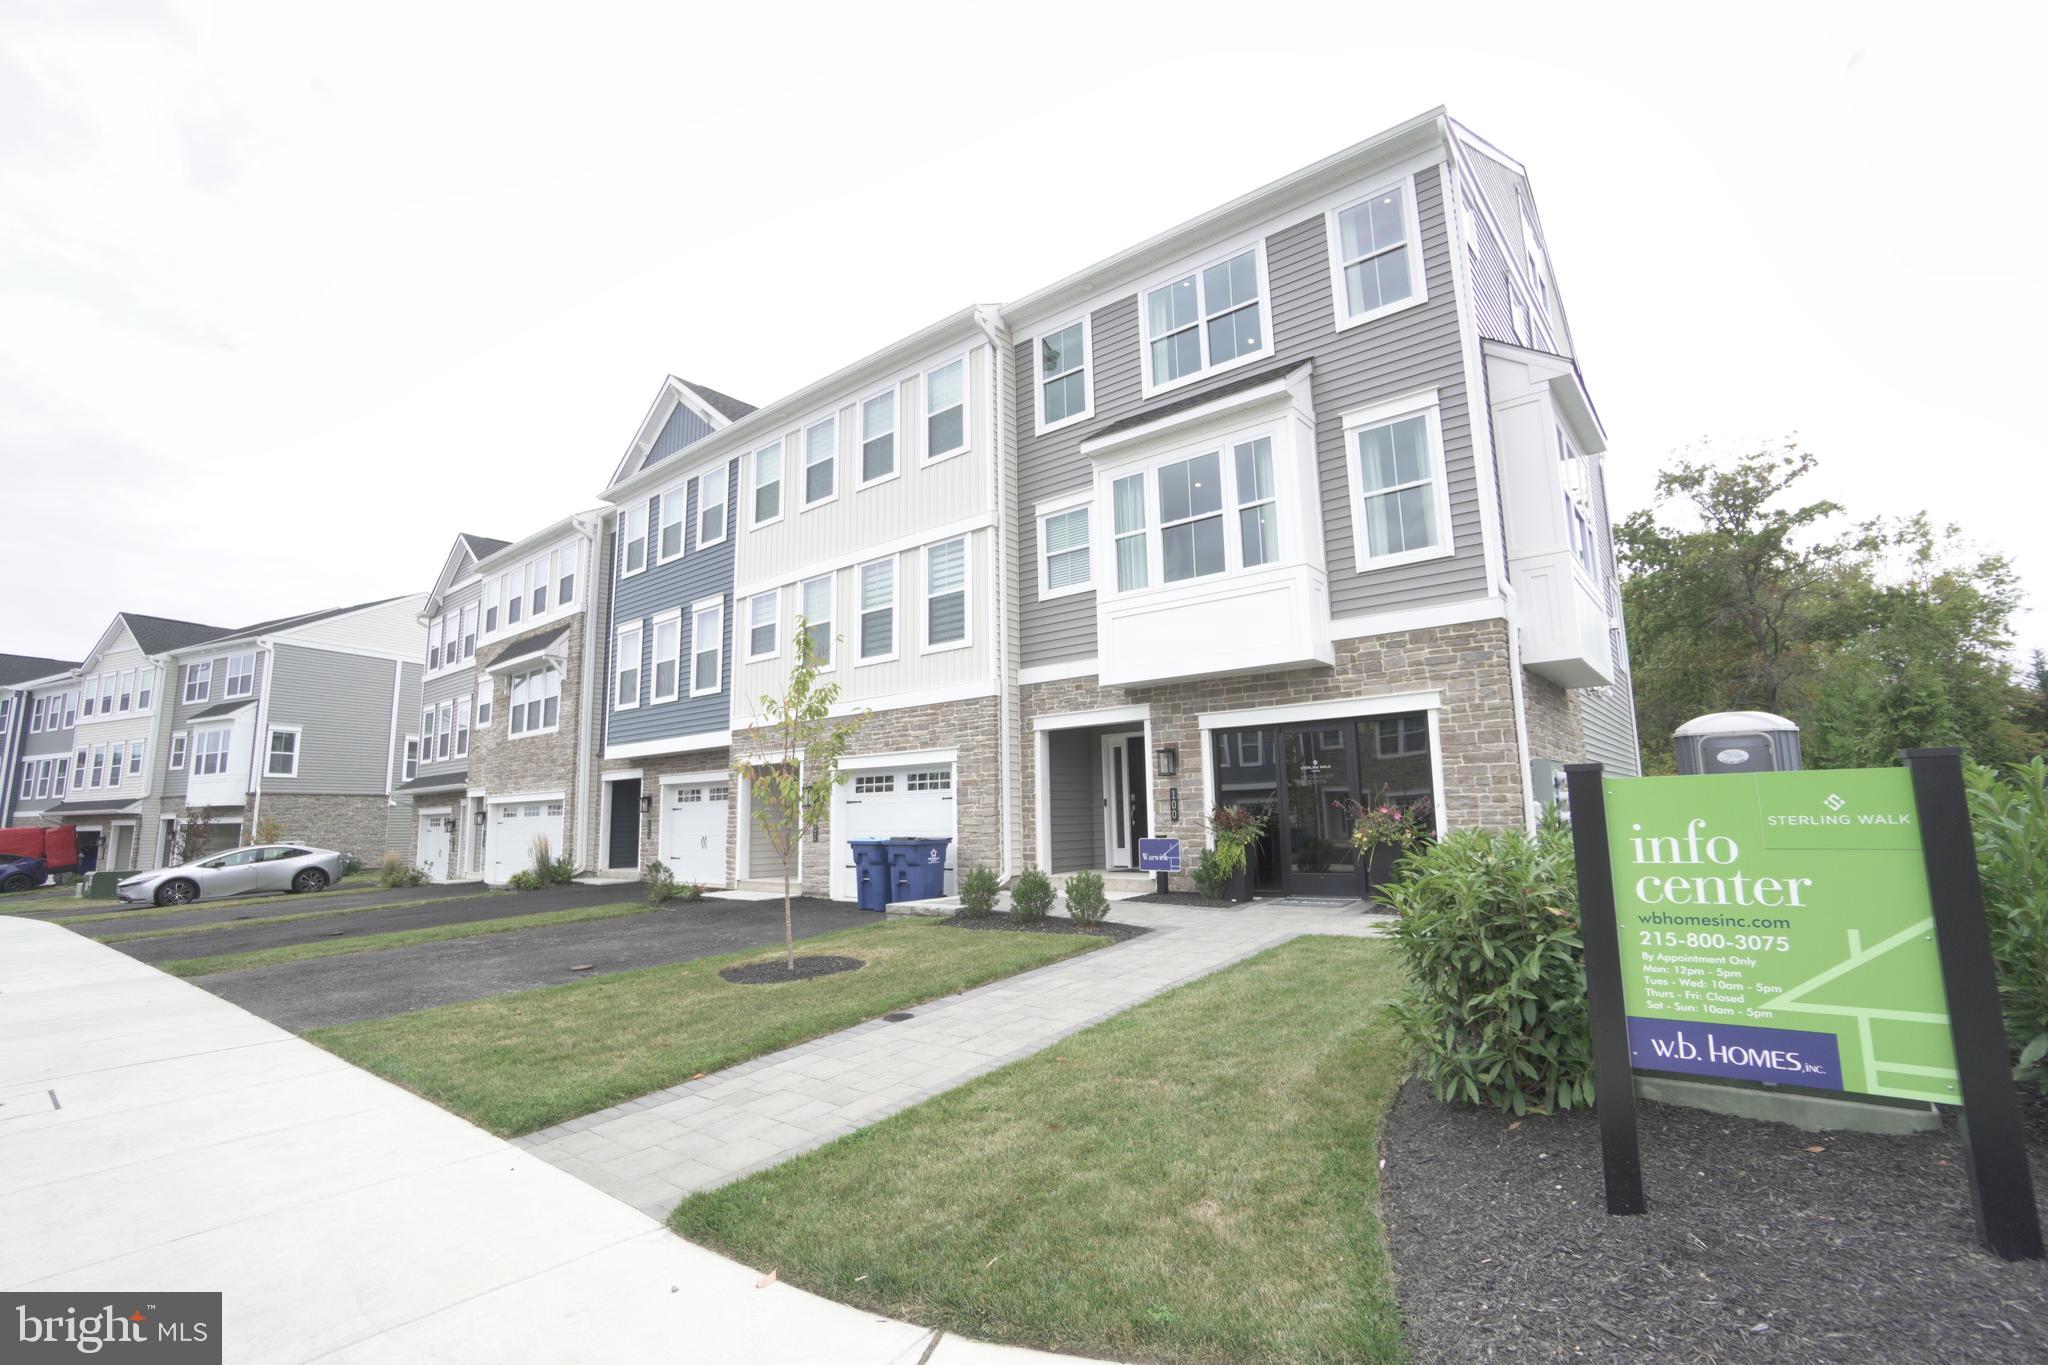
{"x":290,"y":294}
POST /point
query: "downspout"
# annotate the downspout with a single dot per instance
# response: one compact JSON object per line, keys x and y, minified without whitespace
{"x":999,"y":578}
{"x":257,"y":744}
{"x":586,"y":756}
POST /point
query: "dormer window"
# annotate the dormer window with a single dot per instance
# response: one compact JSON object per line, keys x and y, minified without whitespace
{"x":1210,"y":318}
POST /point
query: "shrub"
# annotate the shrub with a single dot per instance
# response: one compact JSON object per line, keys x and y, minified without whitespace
{"x":978,"y":892}
{"x":561,"y":871}
{"x":269,"y":831}
{"x":658,"y":882}
{"x":1085,"y":901}
{"x":350,"y":864}
{"x":1489,"y":932}
{"x":2009,"y":817}
{"x":1032,"y":896}
{"x":394,"y":871}
{"x":688,"y":892}
{"x":523,"y":880}
{"x":543,"y":854}
{"x":1212,"y":874}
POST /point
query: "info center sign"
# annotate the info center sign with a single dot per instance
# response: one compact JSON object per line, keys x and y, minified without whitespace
{"x":1777,"y":927}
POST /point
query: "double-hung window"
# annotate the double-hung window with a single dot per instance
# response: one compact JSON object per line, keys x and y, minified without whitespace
{"x":1372,"y":252}
{"x":1578,"y":511}
{"x":469,"y":631}
{"x":878,"y":437}
{"x":821,"y":461}
{"x":710,"y":489}
{"x":625,"y":669}
{"x":675,"y":502}
{"x":1202,"y":320}
{"x":177,"y":759}
{"x":107,"y":685}
{"x":538,"y":573}
{"x":411,"y":763}
{"x":515,"y":580}
{"x":116,"y":761}
{"x":63,"y":766}
{"x":127,"y":688}
{"x":444,"y":745}
{"x":536,"y":701}
{"x":764,"y":619}
{"x":78,"y":761}
{"x":282,"y":757}
{"x":878,"y":611}
{"x":209,"y":754}
{"x":817,"y":610}
{"x":1191,"y":518}
{"x":1400,"y":504}
{"x":565,"y":575}
{"x":1127,"y":502}
{"x":198,"y":683}
{"x":707,"y":647}
{"x":1258,"y":515}
{"x":945,"y":410}
{"x":767,"y":484}
{"x":241,"y":676}
{"x":1063,"y":552}
{"x":462,"y":727}
{"x":35,"y":716}
{"x":634,"y":522}
{"x":945,"y":595}
{"x":91,"y":699}
{"x":1063,"y":375}
{"x":668,"y":653}
{"x":491,"y":607}
{"x":135,"y":757}
{"x":434,"y":633}
{"x":145,"y":688}
{"x":427,"y":735}
{"x":484,"y":691}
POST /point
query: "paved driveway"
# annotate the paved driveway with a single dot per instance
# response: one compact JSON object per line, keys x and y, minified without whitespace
{"x":231,"y":937}
{"x":247,"y":907}
{"x":341,"y":990}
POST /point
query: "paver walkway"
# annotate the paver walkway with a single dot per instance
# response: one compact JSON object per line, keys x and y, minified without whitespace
{"x":652,"y":1151}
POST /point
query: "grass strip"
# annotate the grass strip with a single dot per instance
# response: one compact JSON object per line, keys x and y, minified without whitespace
{"x":1194,"y":1180}
{"x":345,"y":887}
{"x":257,"y":921}
{"x":517,"y":1062}
{"x":397,"y":938}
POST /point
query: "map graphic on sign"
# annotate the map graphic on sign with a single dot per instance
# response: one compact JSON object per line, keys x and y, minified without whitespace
{"x":1776,"y":927}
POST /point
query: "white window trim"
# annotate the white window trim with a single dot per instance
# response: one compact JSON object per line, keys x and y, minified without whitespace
{"x":712,"y":604}
{"x":672,"y":617}
{"x":781,"y":448}
{"x":298,"y":734}
{"x":831,"y":623}
{"x":893,"y":392}
{"x":966,"y":640}
{"x":634,"y":629}
{"x":775,"y":635}
{"x":648,"y":531}
{"x":1426,"y":404}
{"x":804,"y":461}
{"x":410,"y":742}
{"x":1256,"y":245}
{"x":201,"y":672}
{"x":925,"y":455}
{"x":1045,"y":511}
{"x":860,"y":611}
{"x":541,"y":671}
{"x":176,"y":762}
{"x":680,"y":493}
{"x":1087,"y":374}
{"x":697,"y":481}
{"x":1418,"y":272}
{"x":1224,"y":443}
{"x":486,"y":701}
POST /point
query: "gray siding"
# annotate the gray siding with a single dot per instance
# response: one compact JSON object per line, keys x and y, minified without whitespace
{"x":1074,"y":772}
{"x":1607,"y":715}
{"x":182,"y":711}
{"x":409,"y":704}
{"x":684,"y":427}
{"x":698,"y":574}
{"x":461,"y":682}
{"x":1407,"y":351}
{"x":342,"y":704}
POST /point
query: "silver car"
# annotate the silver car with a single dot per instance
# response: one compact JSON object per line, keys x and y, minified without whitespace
{"x":242,"y":872}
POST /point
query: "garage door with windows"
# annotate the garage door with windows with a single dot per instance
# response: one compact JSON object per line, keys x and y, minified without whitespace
{"x":693,"y":830}
{"x":513,"y":828}
{"x":914,"y":801}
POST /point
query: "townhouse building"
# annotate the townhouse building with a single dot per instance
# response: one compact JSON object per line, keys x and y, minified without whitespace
{"x":38,"y":708}
{"x":296,"y":721}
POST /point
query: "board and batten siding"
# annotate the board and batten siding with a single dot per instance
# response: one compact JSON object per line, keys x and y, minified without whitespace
{"x":341,"y":705}
{"x":683,"y":428}
{"x":1417,"y":348}
{"x":697,"y":575}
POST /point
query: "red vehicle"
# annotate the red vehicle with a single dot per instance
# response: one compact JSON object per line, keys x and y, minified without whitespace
{"x":56,"y":845}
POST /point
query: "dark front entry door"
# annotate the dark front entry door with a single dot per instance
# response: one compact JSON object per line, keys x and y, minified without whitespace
{"x":1319,"y":777}
{"x":623,"y":843}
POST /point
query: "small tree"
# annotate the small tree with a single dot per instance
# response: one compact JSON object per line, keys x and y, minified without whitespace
{"x":792,"y":777}
{"x":269,"y":831}
{"x":195,"y":834}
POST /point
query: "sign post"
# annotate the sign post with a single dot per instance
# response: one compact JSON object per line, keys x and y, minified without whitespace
{"x":1817,"y":929}
{"x":1161,"y":856}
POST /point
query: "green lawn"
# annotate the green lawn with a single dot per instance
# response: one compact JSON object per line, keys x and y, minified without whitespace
{"x":94,"y":912}
{"x":397,"y":938}
{"x":1195,"y":1179}
{"x":514,"y":1063}
{"x":113,"y":934}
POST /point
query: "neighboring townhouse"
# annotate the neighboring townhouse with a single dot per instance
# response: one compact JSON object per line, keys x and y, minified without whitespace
{"x":299,"y":721}
{"x":439,"y":833}
{"x":532,"y":735}
{"x":1309,"y":510}
{"x":38,"y":708}
{"x":663,"y":790}
{"x":115,"y":793}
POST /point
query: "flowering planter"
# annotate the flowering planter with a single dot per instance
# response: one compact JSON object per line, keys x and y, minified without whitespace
{"x":1239,"y":888}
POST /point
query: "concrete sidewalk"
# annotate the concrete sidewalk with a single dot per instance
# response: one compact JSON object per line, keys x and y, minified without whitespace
{"x":154,"y":1137}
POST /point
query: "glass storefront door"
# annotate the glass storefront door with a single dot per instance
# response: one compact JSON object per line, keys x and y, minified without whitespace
{"x":1320,"y":779}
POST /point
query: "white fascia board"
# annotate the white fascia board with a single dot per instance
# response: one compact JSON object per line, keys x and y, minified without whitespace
{"x":674,"y":744}
{"x":1088,"y":720}
{"x":1284,"y":389}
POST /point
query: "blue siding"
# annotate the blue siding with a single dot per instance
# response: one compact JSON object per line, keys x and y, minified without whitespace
{"x":684,"y":427}
{"x":676,"y":584}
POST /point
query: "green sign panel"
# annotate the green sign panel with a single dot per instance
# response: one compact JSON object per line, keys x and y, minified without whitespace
{"x":1777,"y":927}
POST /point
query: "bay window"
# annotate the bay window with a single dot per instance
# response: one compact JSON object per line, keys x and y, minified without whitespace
{"x":209,"y":754}
{"x":816,"y":597}
{"x":945,"y":410}
{"x":707,"y":647}
{"x":878,"y":437}
{"x":945,"y":595}
{"x":877,"y":611}
{"x":1127,"y":498}
{"x":668,"y":652}
{"x":821,"y":461}
{"x":710,"y":486}
{"x":1400,"y":503}
{"x":1258,"y":516}
{"x":625,"y":670}
{"x":767,"y":484}
{"x":1208,"y":318}
{"x":1191,"y":517}
{"x":1373,"y":254}
{"x":536,"y":702}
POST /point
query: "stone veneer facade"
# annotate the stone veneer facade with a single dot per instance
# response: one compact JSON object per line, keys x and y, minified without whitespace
{"x":969,"y":727}
{"x":347,"y":824}
{"x":1553,"y":718}
{"x":500,"y":765}
{"x":1469,"y":664}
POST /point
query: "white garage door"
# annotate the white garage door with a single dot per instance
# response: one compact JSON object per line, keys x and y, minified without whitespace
{"x":693,"y":831}
{"x":514,"y":827}
{"x":881,"y":803}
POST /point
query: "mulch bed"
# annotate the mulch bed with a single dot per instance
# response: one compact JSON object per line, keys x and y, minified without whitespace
{"x":1000,"y":919}
{"x":776,"y":969}
{"x":1755,"y":1246}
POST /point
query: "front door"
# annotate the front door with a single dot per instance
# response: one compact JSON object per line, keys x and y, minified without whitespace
{"x":1123,"y":797}
{"x":623,"y":848}
{"x":1319,"y":781}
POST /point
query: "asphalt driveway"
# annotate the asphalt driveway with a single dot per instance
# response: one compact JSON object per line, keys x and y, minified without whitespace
{"x":231,"y":937}
{"x":240,"y":908}
{"x":341,"y":990}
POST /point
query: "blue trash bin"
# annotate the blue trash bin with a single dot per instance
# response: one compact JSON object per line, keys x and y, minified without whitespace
{"x":917,"y":868}
{"x":871,"y":873}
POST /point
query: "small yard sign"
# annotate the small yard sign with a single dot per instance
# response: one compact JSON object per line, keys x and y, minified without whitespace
{"x":1815,"y":929}
{"x":1159,"y":855}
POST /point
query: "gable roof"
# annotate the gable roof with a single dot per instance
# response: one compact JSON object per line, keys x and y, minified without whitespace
{"x":732,"y":408}
{"x":463,"y":553}
{"x":716,"y":411}
{"x":271,"y":627}
{"x":18,"y":668}
{"x":161,"y":634}
{"x":483,"y":547}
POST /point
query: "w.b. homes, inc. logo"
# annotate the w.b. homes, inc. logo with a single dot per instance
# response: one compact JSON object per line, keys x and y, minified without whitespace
{"x":170,"y":1328}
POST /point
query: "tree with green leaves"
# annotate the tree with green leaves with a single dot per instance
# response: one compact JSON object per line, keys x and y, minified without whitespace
{"x":795,"y":764}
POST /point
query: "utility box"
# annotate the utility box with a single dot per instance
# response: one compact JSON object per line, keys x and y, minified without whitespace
{"x":1737,"y":742}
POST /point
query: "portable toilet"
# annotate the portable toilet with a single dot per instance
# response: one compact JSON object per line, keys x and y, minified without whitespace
{"x":1737,"y":742}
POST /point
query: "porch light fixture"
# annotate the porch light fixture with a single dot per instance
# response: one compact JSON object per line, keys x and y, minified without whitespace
{"x":1166,"y":760}
{"x":480,"y":817}
{"x":646,"y":803}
